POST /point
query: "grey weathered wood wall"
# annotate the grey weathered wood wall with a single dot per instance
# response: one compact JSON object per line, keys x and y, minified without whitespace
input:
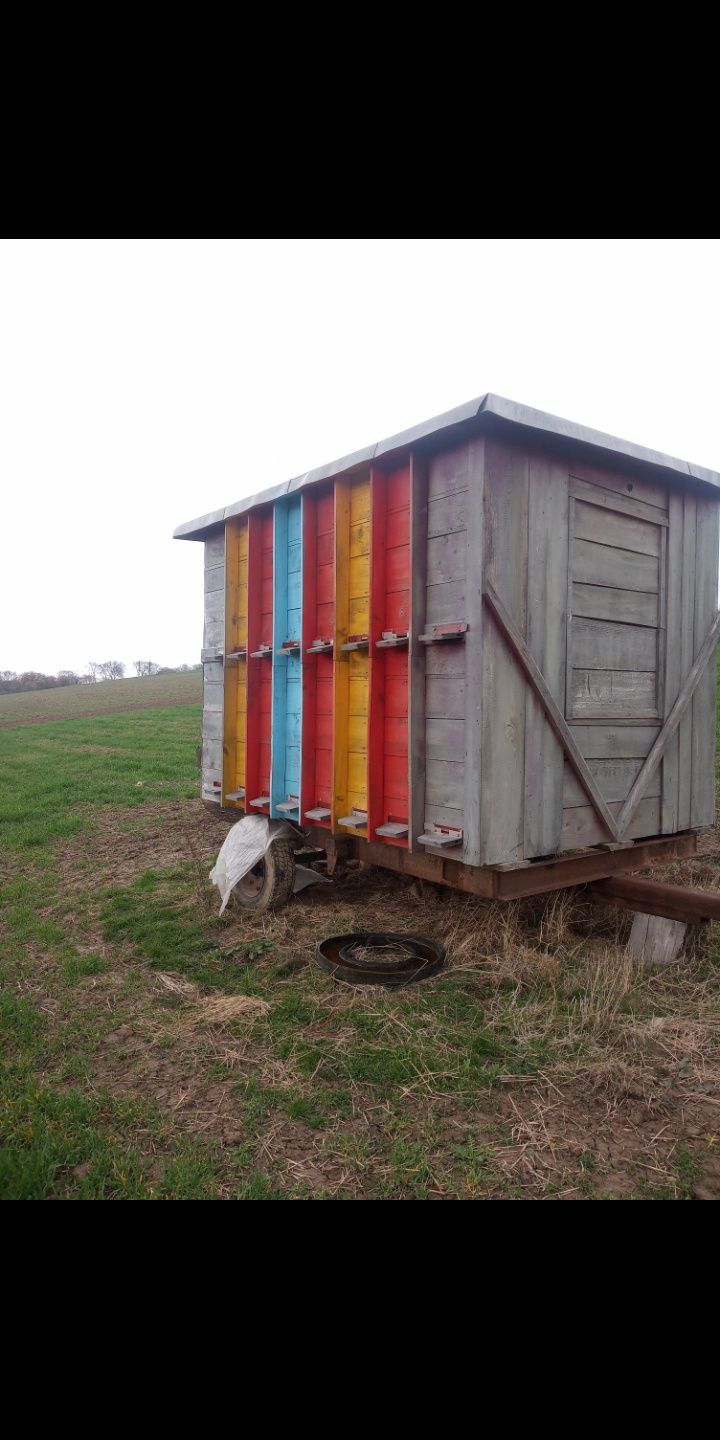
{"x":453,"y":695}
{"x":688,"y":791}
{"x":213,"y":646}
{"x":611,"y":581}
{"x":587,"y":594}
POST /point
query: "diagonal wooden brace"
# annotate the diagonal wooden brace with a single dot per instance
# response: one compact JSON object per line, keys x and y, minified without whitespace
{"x":558,"y":723}
{"x":655,"y":755}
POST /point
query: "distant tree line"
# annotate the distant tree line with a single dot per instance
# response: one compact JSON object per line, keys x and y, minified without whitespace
{"x":150,"y":667}
{"x":35,"y":680}
{"x":106,"y":669}
{"x":11,"y":683}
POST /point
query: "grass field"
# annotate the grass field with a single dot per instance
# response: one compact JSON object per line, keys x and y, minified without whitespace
{"x":151,"y":1049}
{"x":106,"y":697}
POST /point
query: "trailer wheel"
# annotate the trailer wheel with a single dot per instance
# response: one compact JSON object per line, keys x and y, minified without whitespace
{"x":269,"y":884}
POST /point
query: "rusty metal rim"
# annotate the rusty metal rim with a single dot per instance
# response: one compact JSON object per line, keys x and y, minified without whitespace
{"x":337,"y":955}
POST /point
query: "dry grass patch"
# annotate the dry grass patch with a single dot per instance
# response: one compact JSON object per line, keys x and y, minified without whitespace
{"x":539,"y":1063}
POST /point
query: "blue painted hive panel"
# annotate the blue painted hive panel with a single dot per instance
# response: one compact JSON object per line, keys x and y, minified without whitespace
{"x":287,"y":662}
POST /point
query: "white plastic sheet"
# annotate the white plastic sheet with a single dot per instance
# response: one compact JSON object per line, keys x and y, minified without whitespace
{"x":242,"y":847}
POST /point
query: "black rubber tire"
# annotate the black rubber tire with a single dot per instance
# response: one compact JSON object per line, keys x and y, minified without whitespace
{"x":335,"y":955}
{"x":270,"y":885}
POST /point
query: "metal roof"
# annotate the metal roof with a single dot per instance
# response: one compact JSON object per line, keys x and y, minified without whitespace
{"x":488,"y":413}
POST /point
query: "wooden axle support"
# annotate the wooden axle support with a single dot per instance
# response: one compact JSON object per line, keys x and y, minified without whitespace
{"x":662,"y":912}
{"x":674,"y":902}
{"x":513,"y":882}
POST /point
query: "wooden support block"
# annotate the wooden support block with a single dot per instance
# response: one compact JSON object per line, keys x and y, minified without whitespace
{"x":655,"y":940}
{"x":336,"y":848}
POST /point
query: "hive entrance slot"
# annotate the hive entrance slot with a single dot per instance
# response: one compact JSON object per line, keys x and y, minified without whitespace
{"x":392,"y":638}
{"x":357,"y":820}
{"x":356,"y":642}
{"x":443,"y":836}
{"x":444,"y":632}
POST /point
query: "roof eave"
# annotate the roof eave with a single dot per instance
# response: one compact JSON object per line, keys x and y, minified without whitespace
{"x":486,"y":412}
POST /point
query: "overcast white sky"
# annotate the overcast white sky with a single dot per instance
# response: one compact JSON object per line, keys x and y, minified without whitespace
{"x":144,"y":382}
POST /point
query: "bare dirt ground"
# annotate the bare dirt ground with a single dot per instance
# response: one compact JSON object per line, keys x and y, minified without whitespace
{"x":125,"y":845}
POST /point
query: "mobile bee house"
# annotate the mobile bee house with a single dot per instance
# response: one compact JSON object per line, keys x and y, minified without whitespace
{"x":479,"y":652}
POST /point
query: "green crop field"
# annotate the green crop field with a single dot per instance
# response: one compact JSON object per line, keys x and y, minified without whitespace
{"x":107,"y":696}
{"x":150,"y":1049}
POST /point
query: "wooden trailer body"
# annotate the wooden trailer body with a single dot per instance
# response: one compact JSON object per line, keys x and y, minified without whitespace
{"x":482,"y":645}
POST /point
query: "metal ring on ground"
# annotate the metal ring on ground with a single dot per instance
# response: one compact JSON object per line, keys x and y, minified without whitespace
{"x":380,"y":957}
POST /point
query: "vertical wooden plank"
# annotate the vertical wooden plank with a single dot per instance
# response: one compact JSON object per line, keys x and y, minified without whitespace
{"x":504,"y":688}
{"x":214,"y":616}
{"x":673,"y":644}
{"x":229,"y":749}
{"x":309,"y":662}
{"x":473,"y":779}
{"x":702,"y":804}
{"x":661,"y":645}
{"x":376,"y":658}
{"x":687,"y":621}
{"x":448,"y":565}
{"x":232,"y":576}
{"x":340,"y":658}
{"x":235,"y":672}
{"x":396,"y":606}
{"x":266,"y":639}
{"x":213,"y":678}
{"x":416,"y":687}
{"x":286,"y":664}
{"x":358,"y":667}
{"x":293,"y":673}
{"x":252,"y":740}
{"x":569,"y":608}
{"x":256,"y":669}
{"x":279,"y":661}
{"x":548,"y":569}
{"x":242,"y":628}
{"x":390,"y":570}
{"x":324,"y":630}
